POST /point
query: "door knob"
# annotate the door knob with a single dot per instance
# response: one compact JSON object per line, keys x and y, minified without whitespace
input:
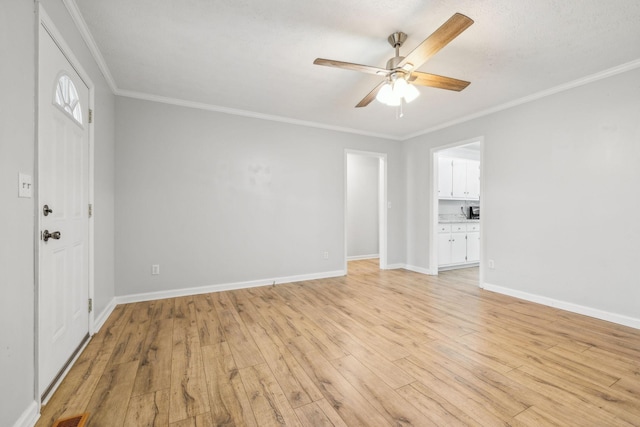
{"x":46,"y":235}
{"x":46,"y":210}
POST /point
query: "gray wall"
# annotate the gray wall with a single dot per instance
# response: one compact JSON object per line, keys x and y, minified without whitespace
{"x":553,"y":169}
{"x":17,"y":154}
{"x":217,"y":199}
{"x":16,"y":245}
{"x":362,"y":205}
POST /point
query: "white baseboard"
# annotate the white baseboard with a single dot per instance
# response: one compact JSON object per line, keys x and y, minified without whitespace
{"x":29,"y":417}
{"x":150,"y":296}
{"x":421,"y":270}
{"x":409,"y":267}
{"x":361,"y":257}
{"x":394,"y":266}
{"x":568,"y":306}
{"x":458,"y":266}
{"x":99,"y":320}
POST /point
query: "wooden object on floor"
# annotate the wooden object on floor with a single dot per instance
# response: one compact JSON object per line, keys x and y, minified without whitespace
{"x":74,"y":421}
{"x":373,"y":348}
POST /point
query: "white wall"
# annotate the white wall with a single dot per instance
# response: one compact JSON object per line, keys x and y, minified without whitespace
{"x":362,"y":205}
{"x":216,"y":199}
{"x":17,"y":154}
{"x":16,"y":245}
{"x":552,"y":170}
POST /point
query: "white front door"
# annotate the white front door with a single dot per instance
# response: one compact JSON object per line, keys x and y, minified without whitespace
{"x":63,"y":179}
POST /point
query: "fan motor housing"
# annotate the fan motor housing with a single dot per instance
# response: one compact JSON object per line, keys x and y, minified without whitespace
{"x":393,"y":62}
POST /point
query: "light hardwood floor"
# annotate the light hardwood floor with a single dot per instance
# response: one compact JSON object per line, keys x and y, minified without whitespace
{"x":375,"y":348}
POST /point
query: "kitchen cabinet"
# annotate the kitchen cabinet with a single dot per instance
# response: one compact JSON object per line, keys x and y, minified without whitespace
{"x":473,"y":180}
{"x":444,"y":248}
{"x":445,"y":176}
{"x":458,"y":247}
{"x":473,"y":246}
{"x":458,"y":244}
{"x":458,"y":179}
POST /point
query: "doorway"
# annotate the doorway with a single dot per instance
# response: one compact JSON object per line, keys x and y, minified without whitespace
{"x":365,"y":207}
{"x":455,"y":239}
{"x":64,"y":229}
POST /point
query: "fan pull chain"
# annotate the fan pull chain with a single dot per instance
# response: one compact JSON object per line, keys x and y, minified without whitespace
{"x":400,"y":110}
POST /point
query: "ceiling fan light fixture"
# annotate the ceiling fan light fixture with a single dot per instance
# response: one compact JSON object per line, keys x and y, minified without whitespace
{"x":411,"y":93}
{"x":393,"y":93}
{"x":394,"y":100}
{"x":399,"y":87}
{"x":385,"y":95}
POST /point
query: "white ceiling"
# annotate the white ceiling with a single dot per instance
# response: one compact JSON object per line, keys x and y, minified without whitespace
{"x":256,"y":56}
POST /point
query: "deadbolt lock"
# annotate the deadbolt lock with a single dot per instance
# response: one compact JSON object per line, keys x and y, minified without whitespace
{"x":46,"y":210}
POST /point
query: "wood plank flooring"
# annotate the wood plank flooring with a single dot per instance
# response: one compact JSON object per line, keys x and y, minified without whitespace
{"x":374,"y":348}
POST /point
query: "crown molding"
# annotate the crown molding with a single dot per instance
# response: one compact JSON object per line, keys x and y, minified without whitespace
{"x":246,"y":113}
{"x":82,"y":27}
{"x":80,"y":23}
{"x":533,"y":97}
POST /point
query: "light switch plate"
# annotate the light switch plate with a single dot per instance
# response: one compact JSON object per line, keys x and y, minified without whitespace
{"x":24,"y":185}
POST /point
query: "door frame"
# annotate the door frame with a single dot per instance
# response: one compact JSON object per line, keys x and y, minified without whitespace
{"x":44,"y":23}
{"x":433,"y":197}
{"x":382,"y":204}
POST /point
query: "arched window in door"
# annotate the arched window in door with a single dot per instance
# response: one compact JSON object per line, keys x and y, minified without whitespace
{"x":66,"y":98}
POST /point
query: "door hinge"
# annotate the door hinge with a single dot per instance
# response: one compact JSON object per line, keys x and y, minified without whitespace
{"x":90,"y":210}
{"x":90,"y":305}
{"x":90,"y":115}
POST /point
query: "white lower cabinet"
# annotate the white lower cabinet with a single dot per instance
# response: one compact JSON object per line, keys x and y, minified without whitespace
{"x":444,"y":248}
{"x":458,"y":244}
{"x":473,"y":246}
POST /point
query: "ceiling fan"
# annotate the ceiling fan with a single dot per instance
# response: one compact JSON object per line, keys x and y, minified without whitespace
{"x":400,"y":74}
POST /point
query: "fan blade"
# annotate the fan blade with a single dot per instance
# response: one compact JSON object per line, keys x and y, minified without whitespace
{"x":351,"y":66}
{"x":436,"y":41}
{"x":434,"y":80}
{"x":371,"y":95}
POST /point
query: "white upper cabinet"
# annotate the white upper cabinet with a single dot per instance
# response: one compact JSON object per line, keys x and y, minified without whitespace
{"x":445,"y":174}
{"x":458,"y":179}
{"x":473,"y":179}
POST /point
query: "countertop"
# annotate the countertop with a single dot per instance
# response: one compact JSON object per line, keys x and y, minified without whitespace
{"x":450,"y":219}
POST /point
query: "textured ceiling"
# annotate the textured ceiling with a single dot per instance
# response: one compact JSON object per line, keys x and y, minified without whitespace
{"x":257,"y":56}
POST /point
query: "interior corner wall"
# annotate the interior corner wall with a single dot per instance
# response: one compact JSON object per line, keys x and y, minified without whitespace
{"x":554,"y":171}
{"x":217,"y":199}
{"x":17,"y":50}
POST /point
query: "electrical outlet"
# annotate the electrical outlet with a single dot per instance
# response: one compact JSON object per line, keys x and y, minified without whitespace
{"x":492,"y":264}
{"x":325,"y":255}
{"x":155,"y":269}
